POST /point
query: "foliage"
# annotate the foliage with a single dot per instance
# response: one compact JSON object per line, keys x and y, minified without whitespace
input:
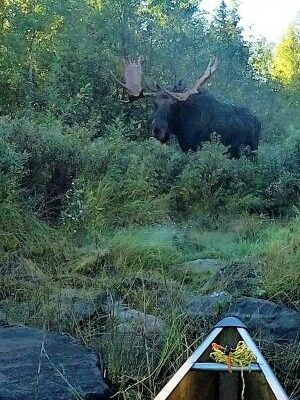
{"x":203,"y":182}
{"x":286,"y":62}
{"x":50,"y":158}
{"x":116,"y":181}
{"x":11,"y":168}
{"x":132,"y":185}
{"x":76,"y":166}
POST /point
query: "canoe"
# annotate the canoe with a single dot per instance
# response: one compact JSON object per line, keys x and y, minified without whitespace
{"x":201,"y":379}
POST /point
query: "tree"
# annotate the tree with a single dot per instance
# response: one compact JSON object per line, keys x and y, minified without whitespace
{"x":261,"y":58}
{"x":286,"y":61}
{"x":28,"y":30}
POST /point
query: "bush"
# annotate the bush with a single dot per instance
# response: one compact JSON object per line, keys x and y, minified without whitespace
{"x":53,"y":159}
{"x":125,"y":183}
{"x":204,"y":182}
{"x":270,"y":184}
{"x":116,"y":181}
{"x":278,"y":176}
{"x":11,"y":167}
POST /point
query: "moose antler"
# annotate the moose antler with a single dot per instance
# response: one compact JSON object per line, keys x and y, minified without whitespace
{"x":210,"y":70}
{"x":133,"y":80}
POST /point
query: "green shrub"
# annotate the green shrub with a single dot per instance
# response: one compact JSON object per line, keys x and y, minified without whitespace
{"x":203,"y":183}
{"x":116,"y":181}
{"x":278,"y":176}
{"x":11,"y":168}
{"x":125,"y":183}
{"x":53,"y":159}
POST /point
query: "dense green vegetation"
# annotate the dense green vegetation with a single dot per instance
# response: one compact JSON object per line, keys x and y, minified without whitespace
{"x":83,"y":191}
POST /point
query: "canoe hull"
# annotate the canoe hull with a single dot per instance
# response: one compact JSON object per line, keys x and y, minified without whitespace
{"x":199,"y":379}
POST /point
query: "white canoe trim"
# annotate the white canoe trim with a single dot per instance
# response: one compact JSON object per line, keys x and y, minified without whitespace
{"x":187,"y":366}
{"x":264,"y":366}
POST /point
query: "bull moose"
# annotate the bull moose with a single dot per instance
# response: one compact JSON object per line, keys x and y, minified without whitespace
{"x":193,"y":115}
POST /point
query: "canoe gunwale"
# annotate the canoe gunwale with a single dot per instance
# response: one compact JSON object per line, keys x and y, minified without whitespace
{"x":187,"y":366}
{"x":264,"y":366}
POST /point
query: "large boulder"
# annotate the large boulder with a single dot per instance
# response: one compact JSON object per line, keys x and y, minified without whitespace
{"x":22,"y":270}
{"x":40,"y":365}
{"x":282,"y":323}
{"x":133,"y":339}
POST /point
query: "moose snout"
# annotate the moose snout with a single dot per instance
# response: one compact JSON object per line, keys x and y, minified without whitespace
{"x":159,"y":131}
{"x":155,"y":132}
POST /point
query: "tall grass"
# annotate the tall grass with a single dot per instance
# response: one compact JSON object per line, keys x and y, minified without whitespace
{"x":281,"y":275}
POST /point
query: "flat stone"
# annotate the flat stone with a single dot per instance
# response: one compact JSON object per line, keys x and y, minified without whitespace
{"x":134,"y":337}
{"x":73,"y":302}
{"x":206,"y":305}
{"x":282,"y":323}
{"x":40,"y":365}
{"x":24,"y":270}
{"x":141,"y":283}
{"x":131,"y":320}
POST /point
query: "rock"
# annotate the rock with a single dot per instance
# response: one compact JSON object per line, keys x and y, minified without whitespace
{"x":242,"y":277}
{"x":200,"y":266}
{"x":75,"y":303}
{"x":133,"y":337}
{"x":206,"y":305}
{"x":63,"y":369}
{"x":156,"y":291}
{"x":143,"y":283}
{"x":22,"y":270}
{"x":130,"y":320}
{"x":282,"y":323}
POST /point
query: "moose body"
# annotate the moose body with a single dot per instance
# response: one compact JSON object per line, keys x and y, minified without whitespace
{"x":193,"y":115}
{"x":194,"y":121}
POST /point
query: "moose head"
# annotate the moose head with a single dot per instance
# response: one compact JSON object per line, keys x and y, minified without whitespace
{"x":164,"y":99}
{"x":192,"y":114}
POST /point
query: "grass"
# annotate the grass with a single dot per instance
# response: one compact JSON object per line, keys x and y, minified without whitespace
{"x":281,"y":275}
{"x":134,"y":264}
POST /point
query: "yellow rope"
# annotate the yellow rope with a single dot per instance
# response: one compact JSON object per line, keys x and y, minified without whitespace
{"x":241,"y":356}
